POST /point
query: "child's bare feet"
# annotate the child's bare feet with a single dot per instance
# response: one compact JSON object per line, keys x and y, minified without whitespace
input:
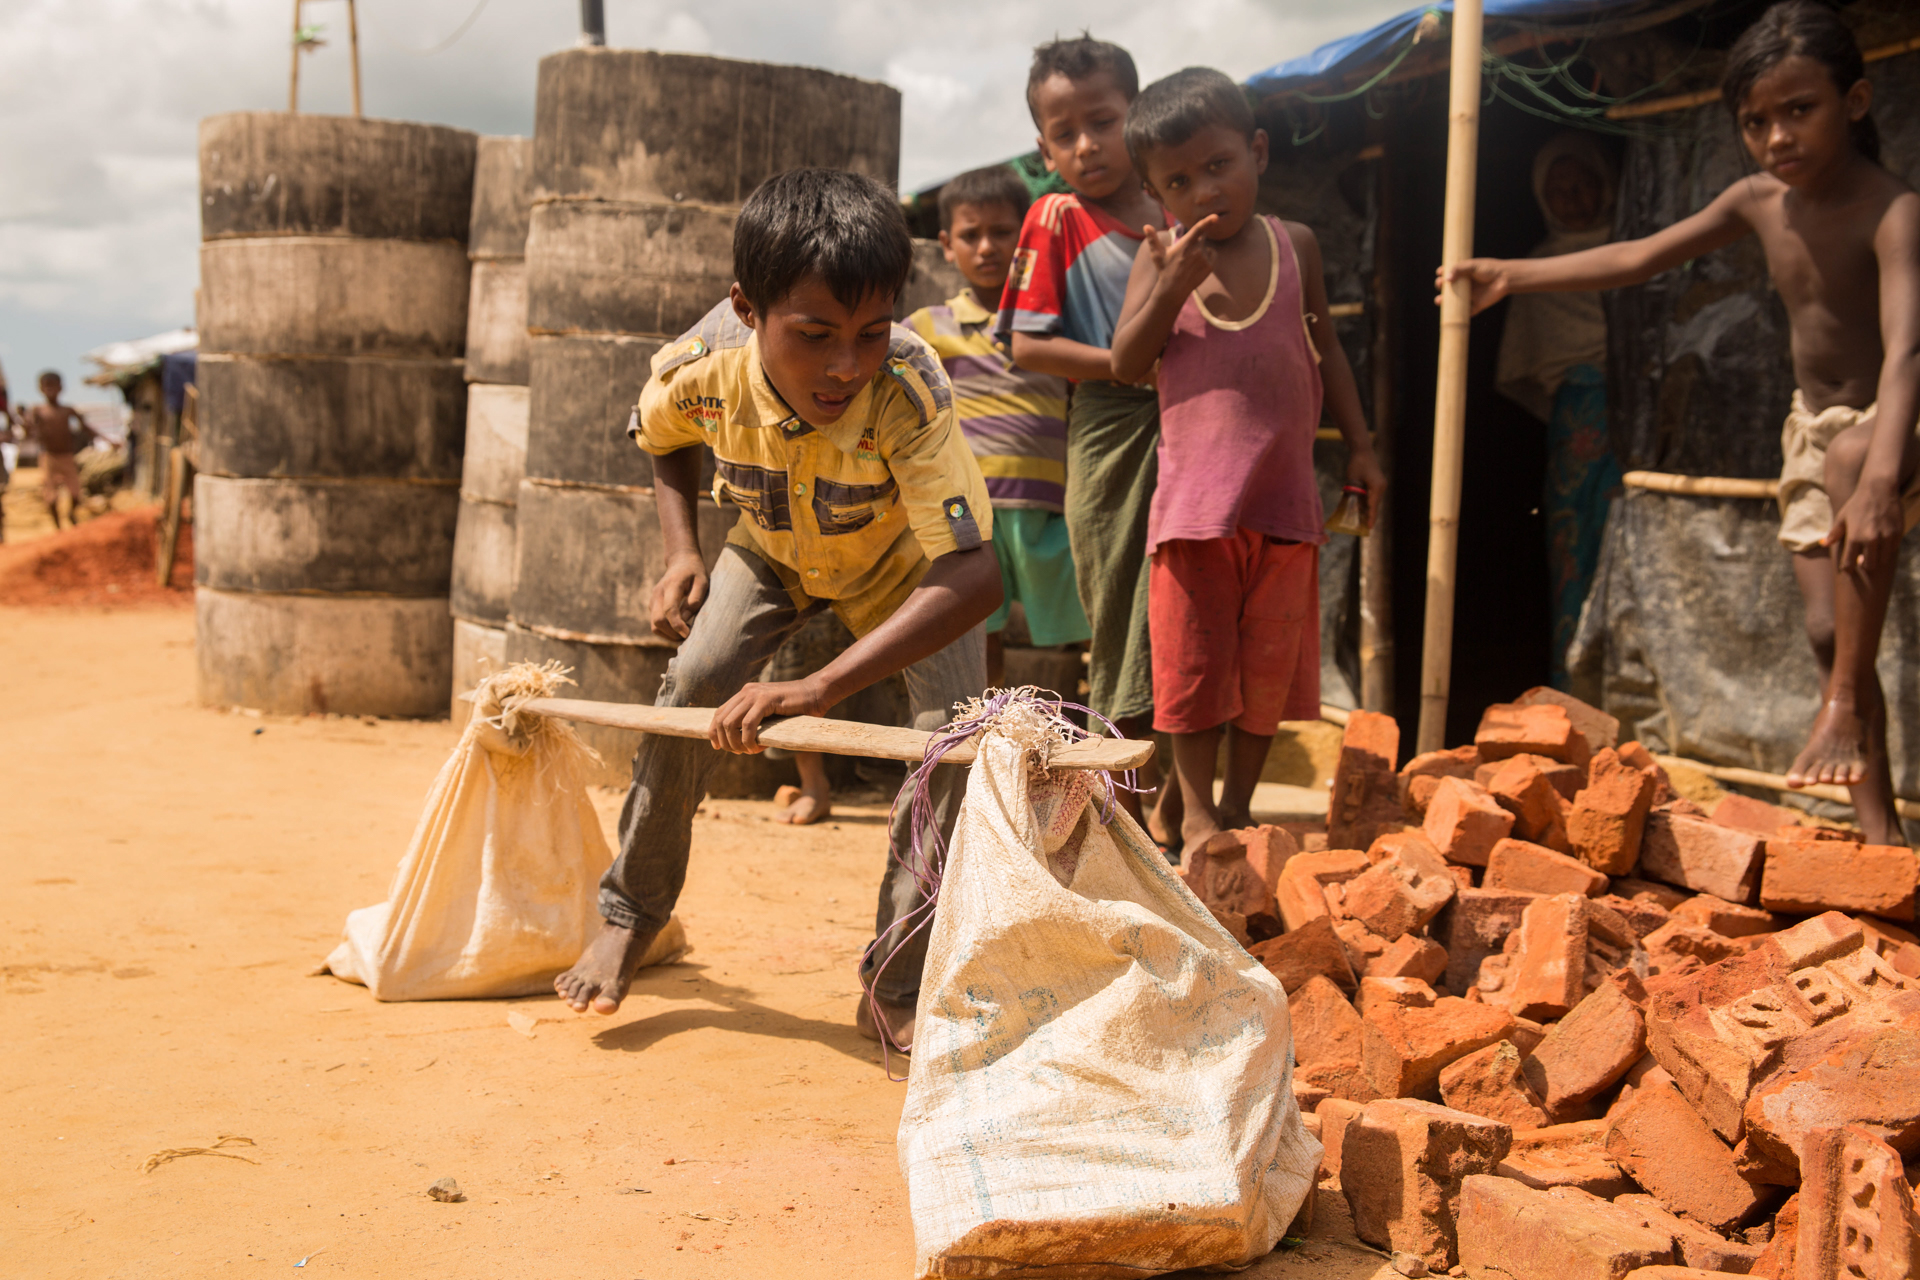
{"x":801,"y":807}
{"x":599,"y":978}
{"x":1836,"y":750}
{"x":1195,"y":831}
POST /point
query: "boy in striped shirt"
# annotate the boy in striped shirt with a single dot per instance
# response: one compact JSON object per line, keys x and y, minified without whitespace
{"x":1015,"y":420}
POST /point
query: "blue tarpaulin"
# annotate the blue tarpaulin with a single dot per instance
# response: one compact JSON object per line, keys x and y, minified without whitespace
{"x":1363,"y":50}
{"x":176,"y":375}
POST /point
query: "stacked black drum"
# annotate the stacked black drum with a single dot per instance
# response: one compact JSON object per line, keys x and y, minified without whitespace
{"x":640,"y":162}
{"x":333,"y":315}
{"x":496,"y":460}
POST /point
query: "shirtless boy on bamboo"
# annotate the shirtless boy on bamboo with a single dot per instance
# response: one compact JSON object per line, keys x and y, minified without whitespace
{"x":1842,"y":239}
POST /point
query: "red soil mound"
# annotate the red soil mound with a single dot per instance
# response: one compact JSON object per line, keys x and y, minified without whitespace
{"x":108,"y":560}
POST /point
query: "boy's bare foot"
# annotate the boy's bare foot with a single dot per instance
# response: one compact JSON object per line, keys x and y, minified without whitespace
{"x":1836,"y":750}
{"x":1194,"y":834}
{"x":1235,"y":820}
{"x":899,"y":1019}
{"x":599,"y":978}
{"x":801,"y":807}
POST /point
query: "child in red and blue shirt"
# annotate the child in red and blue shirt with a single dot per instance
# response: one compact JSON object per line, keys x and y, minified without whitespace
{"x":1059,"y":310}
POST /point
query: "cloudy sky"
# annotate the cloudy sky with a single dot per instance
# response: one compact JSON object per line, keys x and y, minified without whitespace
{"x":98,"y":223}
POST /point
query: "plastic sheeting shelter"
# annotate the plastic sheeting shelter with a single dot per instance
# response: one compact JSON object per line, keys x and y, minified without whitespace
{"x":1694,"y":634}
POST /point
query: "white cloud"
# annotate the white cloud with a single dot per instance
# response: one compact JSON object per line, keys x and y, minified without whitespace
{"x":98,"y":219}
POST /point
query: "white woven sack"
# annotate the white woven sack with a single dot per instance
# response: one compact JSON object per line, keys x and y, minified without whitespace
{"x":497,"y":891}
{"x":1101,"y":1082}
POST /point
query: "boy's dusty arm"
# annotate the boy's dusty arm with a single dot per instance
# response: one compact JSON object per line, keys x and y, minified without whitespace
{"x":1336,"y":375}
{"x":1062,"y":357}
{"x":960,"y":590}
{"x":1165,"y":273}
{"x":1868,"y":529}
{"x":1608,"y":266}
{"x":682,"y":588}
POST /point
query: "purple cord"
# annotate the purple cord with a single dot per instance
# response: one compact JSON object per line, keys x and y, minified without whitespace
{"x":924,"y":831}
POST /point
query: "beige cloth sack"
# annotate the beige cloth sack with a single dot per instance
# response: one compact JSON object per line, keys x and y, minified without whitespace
{"x":1101,"y":1081}
{"x":497,"y":892}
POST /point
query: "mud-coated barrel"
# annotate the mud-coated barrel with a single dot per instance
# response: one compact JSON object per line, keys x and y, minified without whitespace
{"x":333,"y":309}
{"x":484,"y":545}
{"x":502,"y":198}
{"x":603,"y":267}
{"x":620,"y":124}
{"x":477,"y":651}
{"x":267,"y":173}
{"x":339,"y":418}
{"x":294,"y":655}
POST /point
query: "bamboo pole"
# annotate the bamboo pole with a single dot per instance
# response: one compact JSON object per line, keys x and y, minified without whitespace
{"x":1376,"y":550}
{"x":834,"y":737}
{"x":1777,"y":782}
{"x":293,"y":81}
{"x":1450,"y":395}
{"x":1701,"y":486}
{"x":353,"y":47}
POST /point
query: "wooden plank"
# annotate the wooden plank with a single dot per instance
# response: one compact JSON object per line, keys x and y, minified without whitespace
{"x":834,"y":737}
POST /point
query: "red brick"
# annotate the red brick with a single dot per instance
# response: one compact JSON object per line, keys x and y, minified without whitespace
{"x":1394,"y":841}
{"x":1675,"y":940}
{"x":1899,"y":948}
{"x":1822,"y":875}
{"x":1695,"y":854}
{"x":1300,"y":893}
{"x":1487,"y":1082}
{"x":1508,"y":729}
{"x":1465,"y":822}
{"x":1527,"y":1035}
{"x":1777,"y":1260}
{"x":1299,"y":954}
{"x":1609,"y":814}
{"x":1365,"y":797}
{"x":1343,"y":1080}
{"x":1592,"y":1047}
{"x":1636,"y":756}
{"x":1547,"y":967}
{"x":1539,"y":812}
{"x":1663,"y":896}
{"x":1509,"y":1231}
{"x":1363,"y":945}
{"x":1872,"y":1079}
{"x":1222,"y":878}
{"x":1596,"y":726}
{"x":1642,"y":916}
{"x":1410,"y":993}
{"x":1695,"y":1247}
{"x":1401,"y":894}
{"x":1517,"y":866}
{"x":1667,"y":1148}
{"x":1673,"y":1273}
{"x":1423,"y":773}
{"x":1300,"y":899}
{"x":1307,"y":1095}
{"x":1586,"y":1168}
{"x":1407,"y":1048}
{"x":1728,"y":919}
{"x":1233,"y":922}
{"x":1325,"y":1027}
{"x":1328,"y":866}
{"x":1743,"y":813}
{"x":1401,"y":1166}
{"x":1856,"y":1209}
{"x":1335,"y":1115}
{"x":1410,"y":956}
{"x":1827,"y":936}
{"x":1472,"y":927}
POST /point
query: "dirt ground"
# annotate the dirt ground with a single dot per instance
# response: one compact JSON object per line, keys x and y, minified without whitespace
{"x":174,"y":874}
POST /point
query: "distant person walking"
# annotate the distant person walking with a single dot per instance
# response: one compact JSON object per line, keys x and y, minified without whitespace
{"x":61,"y":433}
{"x":7,"y":451}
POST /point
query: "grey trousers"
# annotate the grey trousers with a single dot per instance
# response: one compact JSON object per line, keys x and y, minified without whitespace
{"x":746,"y":618}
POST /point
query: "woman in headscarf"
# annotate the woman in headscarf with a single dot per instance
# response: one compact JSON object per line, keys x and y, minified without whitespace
{"x":1553,"y":359}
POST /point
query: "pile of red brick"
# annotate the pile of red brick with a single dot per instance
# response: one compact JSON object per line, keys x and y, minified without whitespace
{"x":1554,"y":1020}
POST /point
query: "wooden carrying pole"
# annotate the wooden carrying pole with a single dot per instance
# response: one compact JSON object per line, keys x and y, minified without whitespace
{"x":834,"y":737}
{"x":1450,"y":396}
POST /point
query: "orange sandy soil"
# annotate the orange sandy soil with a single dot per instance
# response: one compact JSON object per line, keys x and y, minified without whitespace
{"x":173,"y":874}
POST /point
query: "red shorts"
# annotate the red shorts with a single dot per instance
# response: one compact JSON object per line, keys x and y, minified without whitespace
{"x":1236,"y":633}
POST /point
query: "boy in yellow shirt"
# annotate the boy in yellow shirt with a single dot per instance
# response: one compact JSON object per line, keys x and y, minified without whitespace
{"x":834,"y":433}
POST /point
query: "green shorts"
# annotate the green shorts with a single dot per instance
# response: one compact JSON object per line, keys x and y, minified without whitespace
{"x":1036,"y":566}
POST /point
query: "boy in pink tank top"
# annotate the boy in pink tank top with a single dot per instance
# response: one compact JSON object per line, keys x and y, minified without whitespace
{"x":1234,"y":307}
